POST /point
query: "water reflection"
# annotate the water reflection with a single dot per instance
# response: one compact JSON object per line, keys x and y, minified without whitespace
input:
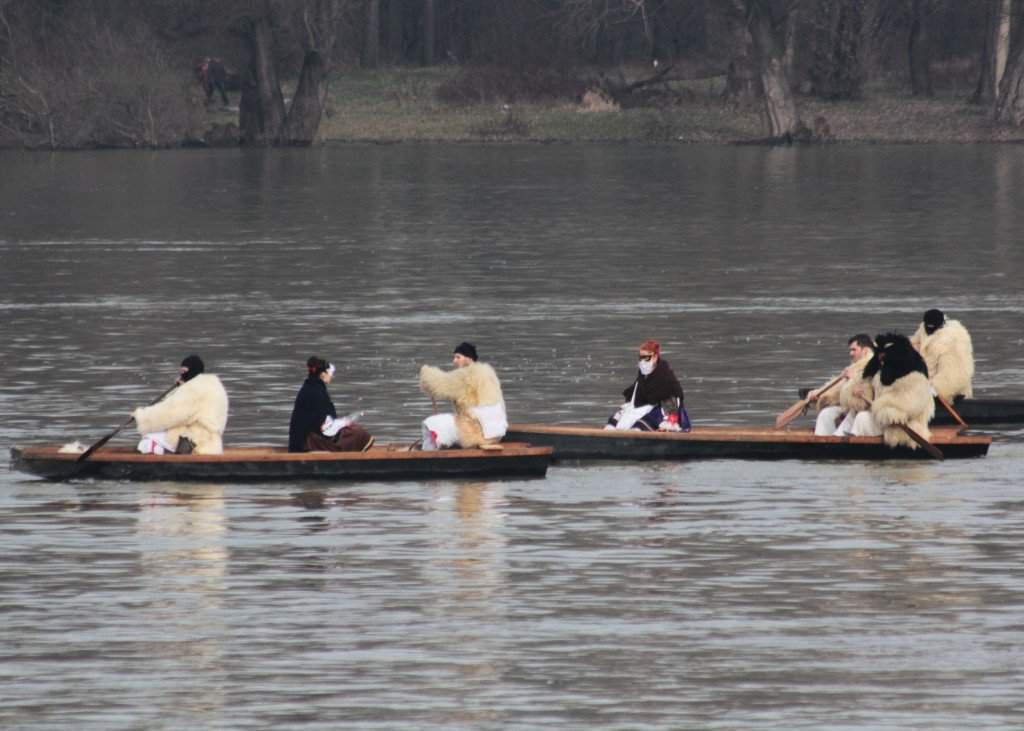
{"x":184,"y":561}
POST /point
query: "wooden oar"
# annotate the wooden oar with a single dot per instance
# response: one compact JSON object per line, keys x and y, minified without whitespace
{"x":952,"y":412}
{"x":800,"y":406}
{"x":86,"y":454}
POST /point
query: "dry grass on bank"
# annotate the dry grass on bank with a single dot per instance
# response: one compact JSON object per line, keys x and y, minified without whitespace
{"x":402,"y":104}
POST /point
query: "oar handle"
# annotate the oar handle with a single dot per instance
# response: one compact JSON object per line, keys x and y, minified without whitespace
{"x":952,"y":412}
{"x":798,"y":408}
{"x":87,"y":453}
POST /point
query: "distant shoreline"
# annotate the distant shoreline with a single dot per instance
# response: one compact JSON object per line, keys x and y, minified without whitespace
{"x":401,"y":105}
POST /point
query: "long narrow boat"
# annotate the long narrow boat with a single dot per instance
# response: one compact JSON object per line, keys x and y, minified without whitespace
{"x":975,"y":411}
{"x":723,"y":442}
{"x":275,"y":463}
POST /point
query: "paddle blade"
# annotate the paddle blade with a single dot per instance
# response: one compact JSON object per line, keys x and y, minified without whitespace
{"x":927,"y":446}
{"x":783,"y":419}
{"x":87,"y":453}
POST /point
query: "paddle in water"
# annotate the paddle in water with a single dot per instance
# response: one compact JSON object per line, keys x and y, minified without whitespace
{"x":87,"y":453}
{"x":800,"y":406}
{"x":952,"y":412}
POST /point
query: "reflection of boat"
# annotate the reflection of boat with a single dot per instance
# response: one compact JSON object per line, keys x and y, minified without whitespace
{"x":728,"y":442}
{"x":986,"y":411}
{"x":275,"y":463}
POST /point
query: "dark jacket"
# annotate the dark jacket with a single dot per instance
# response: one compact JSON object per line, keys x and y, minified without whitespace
{"x":312,"y":406}
{"x":657,"y":388}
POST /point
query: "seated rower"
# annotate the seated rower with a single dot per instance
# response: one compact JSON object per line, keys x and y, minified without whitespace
{"x":191,"y":419}
{"x":895,"y":381}
{"x":654,"y":401}
{"x":837,"y":406}
{"x":946,"y":348}
{"x":314,"y":425}
{"x":473,"y":388}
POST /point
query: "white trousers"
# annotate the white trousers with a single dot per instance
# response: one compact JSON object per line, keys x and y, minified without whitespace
{"x":826,"y":425}
{"x":439,"y":432}
{"x":155,"y":443}
{"x":866,"y":426}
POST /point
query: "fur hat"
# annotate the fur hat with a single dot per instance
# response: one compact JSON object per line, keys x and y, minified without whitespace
{"x":894,"y":357}
{"x":467,"y":349}
{"x":193,"y":365}
{"x":933,"y":320}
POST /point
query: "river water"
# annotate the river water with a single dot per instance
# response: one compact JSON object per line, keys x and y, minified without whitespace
{"x":710,"y":595}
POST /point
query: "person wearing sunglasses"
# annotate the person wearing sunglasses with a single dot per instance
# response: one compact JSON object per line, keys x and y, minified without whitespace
{"x":654,"y":401}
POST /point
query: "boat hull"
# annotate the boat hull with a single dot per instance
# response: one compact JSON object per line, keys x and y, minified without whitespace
{"x":268,"y":463}
{"x":975,"y":411}
{"x":584,"y":443}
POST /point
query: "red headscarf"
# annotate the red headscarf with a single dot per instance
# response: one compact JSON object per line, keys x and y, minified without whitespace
{"x":651,"y":346}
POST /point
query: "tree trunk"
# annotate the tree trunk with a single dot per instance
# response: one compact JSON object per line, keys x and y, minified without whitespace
{"x":371,"y":44}
{"x":919,"y":50}
{"x":265,"y":107}
{"x":429,"y":27}
{"x":394,"y":35}
{"x":742,"y":81}
{"x":308,"y":103}
{"x":783,"y":120}
{"x":995,"y":51}
{"x":1010,"y":106}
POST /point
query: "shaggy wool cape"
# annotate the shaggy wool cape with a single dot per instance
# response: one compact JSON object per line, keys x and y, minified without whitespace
{"x":902,"y":393}
{"x":950,"y":357}
{"x":848,"y":401}
{"x":473,"y":385}
{"x":197,"y":409}
{"x":835,"y":395}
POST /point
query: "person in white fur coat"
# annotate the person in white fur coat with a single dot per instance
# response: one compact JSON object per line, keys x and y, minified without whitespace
{"x":946,"y":348}
{"x":197,"y":410}
{"x":899,"y":393}
{"x":474,"y":389}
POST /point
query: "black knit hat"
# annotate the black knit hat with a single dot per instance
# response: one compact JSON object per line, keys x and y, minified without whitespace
{"x":933,"y":320}
{"x":466,"y":349}
{"x":195,"y":366}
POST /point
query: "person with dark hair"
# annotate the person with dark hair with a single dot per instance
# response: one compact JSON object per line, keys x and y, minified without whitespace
{"x":946,"y":348}
{"x":475,"y":391}
{"x":213,"y":76}
{"x":837,"y":407}
{"x":314,"y":424}
{"x":191,"y":419}
{"x":896,"y":383}
{"x":654,"y":401}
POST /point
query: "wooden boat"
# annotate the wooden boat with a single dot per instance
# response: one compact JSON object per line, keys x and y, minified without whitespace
{"x":276,"y":463}
{"x":975,"y":411}
{"x":723,"y":442}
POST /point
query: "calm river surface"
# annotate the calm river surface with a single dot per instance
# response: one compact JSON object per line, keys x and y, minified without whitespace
{"x":709,"y":595}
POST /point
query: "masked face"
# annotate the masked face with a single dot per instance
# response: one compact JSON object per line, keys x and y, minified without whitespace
{"x":646,"y":363}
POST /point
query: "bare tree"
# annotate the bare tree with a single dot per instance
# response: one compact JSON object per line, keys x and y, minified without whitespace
{"x":919,"y":50}
{"x":371,"y":44}
{"x":766,"y":20}
{"x":995,"y":51}
{"x":263,"y":118}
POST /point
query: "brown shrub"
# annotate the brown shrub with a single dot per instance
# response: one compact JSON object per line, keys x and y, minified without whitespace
{"x":485,"y":84}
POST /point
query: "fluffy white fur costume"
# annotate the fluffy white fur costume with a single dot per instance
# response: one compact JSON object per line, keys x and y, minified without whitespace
{"x":950,"y":358}
{"x":467,"y":387}
{"x":197,"y":409}
{"x":847,"y":400}
{"x":907,"y":400}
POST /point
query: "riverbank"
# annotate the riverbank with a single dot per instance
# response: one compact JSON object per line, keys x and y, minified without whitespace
{"x":402,"y":105}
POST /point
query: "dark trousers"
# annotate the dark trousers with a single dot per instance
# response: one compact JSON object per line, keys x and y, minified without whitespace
{"x":349,"y":439}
